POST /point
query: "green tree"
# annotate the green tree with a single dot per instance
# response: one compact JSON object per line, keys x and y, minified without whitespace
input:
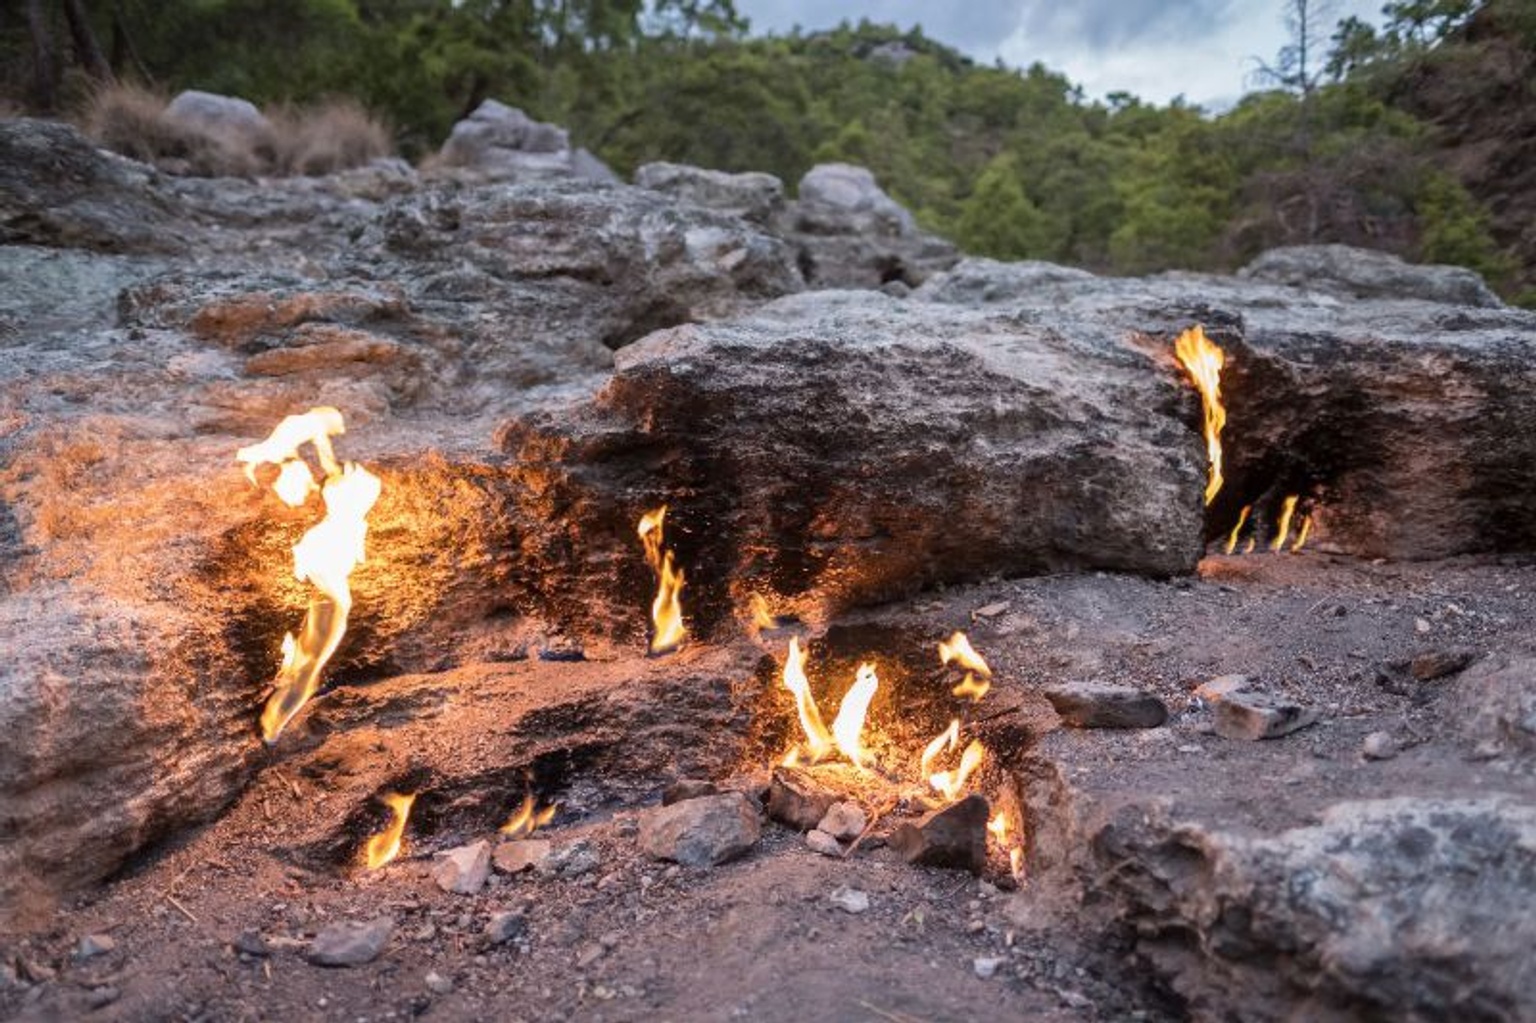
{"x":998,"y":220}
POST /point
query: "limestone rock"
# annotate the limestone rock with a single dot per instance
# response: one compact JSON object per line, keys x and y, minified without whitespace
{"x":1255,"y":716}
{"x":820,"y":842}
{"x":850,"y":900}
{"x":1220,"y":687}
{"x":497,"y":142}
{"x":1096,"y":705}
{"x":1493,"y":705}
{"x":954,"y":837}
{"x":504,"y":925}
{"x":463,"y":871}
{"x":1365,"y":273}
{"x":752,"y":196}
{"x":700,"y":832}
{"x":796,"y":799}
{"x":523,"y":854}
{"x":350,"y":943}
{"x":211,"y":114}
{"x":843,"y":821}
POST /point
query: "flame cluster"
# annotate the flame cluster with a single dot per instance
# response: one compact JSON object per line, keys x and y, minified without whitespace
{"x":325,"y":556}
{"x":528,"y":818}
{"x":385,"y":846}
{"x":667,"y":629}
{"x":1204,"y":360}
{"x":1282,"y":539}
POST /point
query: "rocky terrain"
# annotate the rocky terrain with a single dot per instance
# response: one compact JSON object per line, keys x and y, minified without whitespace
{"x":530,"y":356}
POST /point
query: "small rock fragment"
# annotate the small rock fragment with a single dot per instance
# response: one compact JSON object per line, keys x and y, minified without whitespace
{"x":523,"y":854}
{"x":798,"y":800}
{"x":701,"y":832}
{"x":820,"y":841}
{"x":1379,"y":746}
{"x":463,"y":870}
{"x":93,"y":945}
{"x":687,"y":788}
{"x":1255,"y":716}
{"x":844,"y":821}
{"x":954,"y":837}
{"x":351,"y":943}
{"x":250,"y":943}
{"x":1096,"y":705}
{"x":100,"y":997}
{"x":1433,"y":664}
{"x":850,"y":900}
{"x":1221,"y":687}
{"x":438,"y":984}
{"x":986,"y":966}
{"x":571,"y":860}
{"x":505,"y":925}
{"x":992,"y":610}
{"x":1420,"y":626}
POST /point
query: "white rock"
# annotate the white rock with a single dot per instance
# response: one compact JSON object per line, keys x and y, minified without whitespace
{"x":986,"y":967}
{"x":850,"y":900}
{"x":820,"y":841}
{"x":843,"y":821}
{"x":463,"y":870}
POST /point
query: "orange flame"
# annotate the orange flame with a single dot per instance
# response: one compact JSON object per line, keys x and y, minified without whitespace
{"x":1302,"y":533}
{"x":958,"y":648}
{"x":1287,"y":509}
{"x":1204,"y":361}
{"x":526,"y":819}
{"x":1001,"y":829}
{"x":848,"y":726}
{"x":385,"y":846}
{"x":1242,"y":520}
{"x":325,"y":556}
{"x":951,"y":784}
{"x":762,"y":618}
{"x":945,"y":740}
{"x":818,"y":740}
{"x":998,"y":826}
{"x":668,"y":630}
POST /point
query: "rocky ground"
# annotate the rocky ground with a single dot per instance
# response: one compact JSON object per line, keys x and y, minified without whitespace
{"x":530,"y":356}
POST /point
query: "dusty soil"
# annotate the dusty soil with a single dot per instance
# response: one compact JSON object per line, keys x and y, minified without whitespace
{"x":761,"y":938}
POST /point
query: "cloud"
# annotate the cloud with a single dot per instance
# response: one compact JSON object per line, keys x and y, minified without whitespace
{"x":971,"y":26}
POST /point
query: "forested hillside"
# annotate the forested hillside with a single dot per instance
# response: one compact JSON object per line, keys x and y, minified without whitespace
{"x":1416,"y":137}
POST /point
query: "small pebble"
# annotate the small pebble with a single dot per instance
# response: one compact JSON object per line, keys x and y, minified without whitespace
{"x":850,"y":900}
{"x":986,"y":966}
{"x":820,"y":841}
{"x":1379,"y":746}
{"x":438,"y":984}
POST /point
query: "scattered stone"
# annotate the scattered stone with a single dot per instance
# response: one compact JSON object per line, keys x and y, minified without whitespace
{"x":93,"y":945}
{"x":523,"y":854}
{"x":1433,"y":664}
{"x":1257,"y":716}
{"x":438,"y":984}
{"x":100,"y":997}
{"x":463,"y":870}
{"x":797,"y":799}
{"x":820,"y":841}
{"x":571,"y":860}
{"x":1096,"y":705}
{"x":1420,"y":626}
{"x":351,"y":943}
{"x":1221,"y":687}
{"x":992,"y":610}
{"x":701,"y":832}
{"x":844,"y":821}
{"x":250,"y":943}
{"x":954,"y":837}
{"x":986,"y":966}
{"x":504,"y":925}
{"x":1379,"y":746}
{"x":589,"y":955}
{"x":850,"y":900}
{"x":687,"y":788}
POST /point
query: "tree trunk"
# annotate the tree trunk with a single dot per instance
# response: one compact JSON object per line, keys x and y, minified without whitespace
{"x":87,"y":49}
{"x":44,"y":78}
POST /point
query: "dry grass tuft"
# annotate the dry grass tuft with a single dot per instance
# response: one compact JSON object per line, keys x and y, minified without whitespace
{"x":319,"y":139}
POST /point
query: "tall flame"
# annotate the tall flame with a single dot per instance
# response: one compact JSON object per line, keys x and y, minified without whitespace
{"x":325,"y":556}
{"x":1287,"y":509}
{"x":667,"y":629}
{"x":1302,"y":533}
{"x":1001,"y":829}
{"x":527,"y":819}
{"x":1242,"y":520}
{"x":1204,"y":361}
{"x":848,"y":726}
{"x":958,"y":648}
{"x":818,"y":740}
{"x":951,"y":784}
{"x":945,"y":740}
{"x":385,"y":846}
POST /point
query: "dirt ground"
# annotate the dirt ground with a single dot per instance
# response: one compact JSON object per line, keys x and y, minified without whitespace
{"x":626,"y":938}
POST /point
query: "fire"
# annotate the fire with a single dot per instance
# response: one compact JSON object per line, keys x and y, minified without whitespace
{"x":667,"y":628}
{"x":818,"y":740}
{"x":1242,"y":520}
{"x":1204,"y":361}
{"x":946,"y":739}
{"x":1001,"y":829}
{"x":325,"y":556}
{"x":848,"y":726}
{"x":762,"y":618}
{"x":1287,"y":509}
{"x":527,"y":819}
{"x":998,"y":826}
{"x":951,"y":784}
{"x":1302,"y":534}
{"x":958,"y":648}
{"x":385,"y":846}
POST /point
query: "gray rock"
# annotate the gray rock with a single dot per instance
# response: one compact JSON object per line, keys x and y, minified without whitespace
{"x":251,"y":943}
{"x":985,"y":967}
{"x":687,"y":788}
{"x":1379,"y":746}
{"x":953,"y":837}
{"x":572,"y":859}
{"x":501,"y":143}
{"x":523,"y":854}
{"x":849,"y":189}
{"x":504,"y":925}
{"x":463,"y":871}
{"x":350,"y":943}
{"x":796,"y":799}
{"x":93,"y":945}
{"x":849,"y":900}
{"x":752,"y":196}
{"x":1255,"y":716}
{"x":702,"y":832}
{"x":1493,"y":706}
{"x":437,"y":983}
{"x":211,"y":114}
{"x":844,"y":821}
{"x":1096,"y":705}
{"x":1365,"y":273}
{"x":1434,"y":664}
{"x":975,"y":282}
{"x":819,"y":841}
{"x":1221,"y":687}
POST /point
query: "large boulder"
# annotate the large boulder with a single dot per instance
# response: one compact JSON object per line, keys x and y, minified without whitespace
{"x":497,"y":142}
{"x":753,"y":196}
{"x":1366,"y":273}
{"x":211,"y":114}
{"x":845,"y":448}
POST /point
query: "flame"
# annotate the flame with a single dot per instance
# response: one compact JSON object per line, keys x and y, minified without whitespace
{"x":1302,"y":533}
{"x":946,"y":739}
{"x":762,"y":618}
{"x":998,"y":826}
{"x":1204,"y":361}
{"x":958,"y":648}
{"x":1250,"y":545}
{"x":848,"y":726}
{"x":1242,"y":520}
{"x":526,"y":819}
{"x":668,"y":630}
{"x":951,"y":784}
{"x":385,"y":846}
{"x":817,"y":739}
{"x":1287,"y":509}
{"x":325,"y":556}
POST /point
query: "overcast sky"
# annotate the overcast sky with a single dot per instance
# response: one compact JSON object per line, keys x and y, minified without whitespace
{"x":1204,"y":50}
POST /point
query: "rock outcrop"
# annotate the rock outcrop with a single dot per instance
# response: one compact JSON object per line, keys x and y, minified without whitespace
{"x":1364,"y":273}
{"x":501,"y":143}
{"x":753,"y":196}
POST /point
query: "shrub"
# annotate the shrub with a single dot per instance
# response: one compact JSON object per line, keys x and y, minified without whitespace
{"x":327,"y":137}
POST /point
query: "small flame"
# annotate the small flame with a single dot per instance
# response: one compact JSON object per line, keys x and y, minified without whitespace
{"x":945,"y":740}
{"x":1287,"y":509}
{"x":1242,"y":520}
{"x":951,"y":784}
{"x":762,"y":618}
{"x":1302,"y":533}
{"x":667,"y":628}
{"x":818,"y":740}
{"x":527,"y":819}
{"x":1248,"y":547}
{"x":1204,"y":361}
{"x":848,"y":726}
{"x":385,"y":846}
{"x":958,"y":648}
{"x":325,"y":556}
